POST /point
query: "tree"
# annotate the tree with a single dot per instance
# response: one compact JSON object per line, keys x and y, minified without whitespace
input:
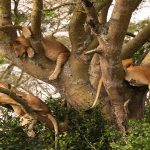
{"x":74,"y":83}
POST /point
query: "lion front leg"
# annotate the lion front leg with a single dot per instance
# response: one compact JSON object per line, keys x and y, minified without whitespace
{"x":62,"y":58}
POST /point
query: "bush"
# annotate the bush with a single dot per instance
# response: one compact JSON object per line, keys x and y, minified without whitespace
{"x":138,"y":137}
{"x":87,"y":131}
{"x":13,"y":137}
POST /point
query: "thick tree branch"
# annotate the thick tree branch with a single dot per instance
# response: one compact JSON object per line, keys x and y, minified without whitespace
{"x":35,"y":38}
{"x":136,"y":43}
{"x":77,"y":78}
{"x":92,"y":19}
{"x":5,"y":19}
{"x":36,"y":18}
{"x":104,"y":12}
{"x":77,"y":34}
{"x":119,"y":22}
{"x":113,"y":76}
{"x":102,"y":9}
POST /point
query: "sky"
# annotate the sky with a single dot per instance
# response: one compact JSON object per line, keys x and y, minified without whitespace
{"x":142,"y":13}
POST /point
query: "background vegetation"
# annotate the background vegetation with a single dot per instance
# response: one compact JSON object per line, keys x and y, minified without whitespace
{"x":88,"y":131}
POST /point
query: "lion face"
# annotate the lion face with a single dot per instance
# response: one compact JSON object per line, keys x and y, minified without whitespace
{"x":18,"y":48}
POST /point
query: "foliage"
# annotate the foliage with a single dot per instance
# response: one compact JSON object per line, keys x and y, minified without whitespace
{"x":88,"y":131}
{"x":48,"y":15}
{"x":135,"y":27}
{"x":13,"y":137}
{"x":141,"y":52}
{"x":85,"y":129}
{"x":22,"y":17}
{"x":2,"y":59}
{"x":138,"y":137}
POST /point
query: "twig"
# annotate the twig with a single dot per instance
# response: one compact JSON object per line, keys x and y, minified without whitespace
{"x":7,"y":72}
{"x":10,"y":27}
{"x":16,"y":2}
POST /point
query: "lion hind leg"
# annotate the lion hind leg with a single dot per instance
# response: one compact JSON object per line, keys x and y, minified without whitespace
{"x":62,"y":58}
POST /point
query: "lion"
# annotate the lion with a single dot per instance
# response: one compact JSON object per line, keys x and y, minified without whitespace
{"x":54,"y":50}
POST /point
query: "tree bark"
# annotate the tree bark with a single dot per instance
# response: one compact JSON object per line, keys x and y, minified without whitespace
{"x":36,"y":18}
{"x":104,"y":12}
{"x":136,"y":43}
{"x":111,"y":68}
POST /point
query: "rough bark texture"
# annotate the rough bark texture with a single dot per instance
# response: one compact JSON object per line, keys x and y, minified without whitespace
{"x":36,"y":18}
{"x":104,"y":12}
{"x":5,"y":15}
{"x":76,"y":81}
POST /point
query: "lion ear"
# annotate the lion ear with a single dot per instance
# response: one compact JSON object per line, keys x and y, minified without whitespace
{"x":26,"y":32}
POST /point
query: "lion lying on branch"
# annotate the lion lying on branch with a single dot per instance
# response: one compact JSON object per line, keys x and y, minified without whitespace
{"x":136,"y":75}
{"x":34,"y":103}
{"x":54,"y":50}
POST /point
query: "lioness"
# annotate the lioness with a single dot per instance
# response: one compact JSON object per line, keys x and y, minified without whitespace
{"x":53,"y":49}
{"x":136,"y":75}
{"x":26,"y":119}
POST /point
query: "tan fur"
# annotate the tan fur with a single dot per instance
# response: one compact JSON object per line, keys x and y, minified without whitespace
{"x":127,"y":62}
{"x":138,"y":75}
{"x":53,"y":49}
{"x":20,"y":46}
{"x":26,"y":119}
{"x":26,"y":31}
